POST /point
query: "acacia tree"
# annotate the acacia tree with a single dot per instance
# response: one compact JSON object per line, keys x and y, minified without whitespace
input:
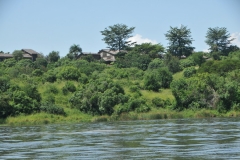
{"x":74,"y":51}
{"x":218,"y":39}
{"x":116,"y":36}
{"x":179,"y":41}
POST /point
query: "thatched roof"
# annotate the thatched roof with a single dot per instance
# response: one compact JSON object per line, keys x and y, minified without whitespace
{"x":6,"y":55}
{"x":29,"y":51}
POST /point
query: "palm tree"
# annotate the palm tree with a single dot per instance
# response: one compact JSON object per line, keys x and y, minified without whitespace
{"x":76,"y":50}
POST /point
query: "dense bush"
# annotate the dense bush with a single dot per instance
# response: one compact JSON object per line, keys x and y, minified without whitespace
{"x":156,"y":63}
{"x":4,"y":84}
{"x":198,"y":58}
{"x":52,"y":89}
{"x":206,"y":91}
{"x":158,"y":78}
{"x":133,"y":59}
{"x":187,"y":62}
{"x":172,"y":63}
{"x":98,"y":97}
{"x":188,"y":72}
{"x":220,"y":67}
{"x":69,"y":73}
{"x":5,"y":108}
{"x":158,"y":102}
{"x":52,"y":109}
{"x":50,"y":76}
{"x":37,"y":72}
{"x":69,"y":87}
{"x":134,"y":104}
{"x":23,"y":103}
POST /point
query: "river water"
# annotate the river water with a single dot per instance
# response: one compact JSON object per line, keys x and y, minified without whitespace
{"x":180,"y":139}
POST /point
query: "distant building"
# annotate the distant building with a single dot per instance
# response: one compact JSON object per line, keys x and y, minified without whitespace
{"x":28,"y":54}
{"x":5,"y":56}
{"x":108,"y":55}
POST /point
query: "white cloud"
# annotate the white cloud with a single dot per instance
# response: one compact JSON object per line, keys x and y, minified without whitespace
{"x":206,"y":50}
{"x":236,"y":37}
{"x":139,"y":39}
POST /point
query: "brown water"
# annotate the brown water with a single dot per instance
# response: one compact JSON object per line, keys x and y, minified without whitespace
{"x":158,"y":139}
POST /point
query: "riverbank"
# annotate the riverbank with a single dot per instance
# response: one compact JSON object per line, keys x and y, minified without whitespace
{"x":75,"y":116}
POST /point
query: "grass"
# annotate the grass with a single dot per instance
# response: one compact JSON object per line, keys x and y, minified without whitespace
{"x":170,"y":114}
{"x":178,"y":75}
{"x":75,"y":116}
{"x":164,"y":94}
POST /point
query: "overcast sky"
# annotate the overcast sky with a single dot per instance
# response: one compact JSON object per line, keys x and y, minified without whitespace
{"x":47,"y":25}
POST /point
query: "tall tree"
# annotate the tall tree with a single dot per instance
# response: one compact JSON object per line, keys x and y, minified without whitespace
{"x":179,"y":41}
{"x":75,"y":50}
{"x":218,"y":39}
{"x":53,"y":56}
{"x":116,"y":36}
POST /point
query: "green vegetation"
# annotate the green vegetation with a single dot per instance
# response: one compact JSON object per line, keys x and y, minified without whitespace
{"x":143,"y":83}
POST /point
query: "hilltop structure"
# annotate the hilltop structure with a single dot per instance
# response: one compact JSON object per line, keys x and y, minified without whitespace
{"x":28,"y":54}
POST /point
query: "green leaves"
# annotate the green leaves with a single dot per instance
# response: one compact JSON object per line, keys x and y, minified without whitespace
{"x":53,"y":56}
{"x":116,"y":36}
{"x":75,"y":50}
{"x":98,"y":97}
{"x":206,"y":91}
{"x":218,"y":39}
{"x":179,"y":41}
{"x":69,"y":73}
{"x":158,"y":78}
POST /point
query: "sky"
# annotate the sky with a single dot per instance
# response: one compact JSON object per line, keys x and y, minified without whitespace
{"x":55,"y":25}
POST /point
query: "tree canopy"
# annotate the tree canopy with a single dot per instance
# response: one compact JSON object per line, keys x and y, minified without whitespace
{"x":53,"y":56}
{"x":17,"y":55}
{"x":179,"y":41}
{"x":116,"y":36}
{"x":218,"y":39}
{"x":153,"y":50}
{"x":74,"y":51}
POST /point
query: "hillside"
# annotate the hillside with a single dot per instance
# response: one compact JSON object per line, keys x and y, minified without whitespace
{"x":71,"y":91}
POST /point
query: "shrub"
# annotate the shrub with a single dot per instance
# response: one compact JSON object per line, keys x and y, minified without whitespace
{"x":134,"y":88}
{"x":69,"y":87}
{"x":156,"y":79}
{"x":52,"y":109}
{"x":5,"y":108}
{"x":188,"y":72}
{"x":158,"y":102}
{"x":4,"y":84}
{"x":50,"y":76}
{"x":156,"y":63}
{"x":198,"y":58}
{"x":187,"y":63}
{"x":22,"y":103}
{"x":69,"y":73}
{"x":37,"y":72}
{"x":133,"y":104}
{"x":52,"y":89}
{"x":50,"y":99}
{"x":98,"y":97}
